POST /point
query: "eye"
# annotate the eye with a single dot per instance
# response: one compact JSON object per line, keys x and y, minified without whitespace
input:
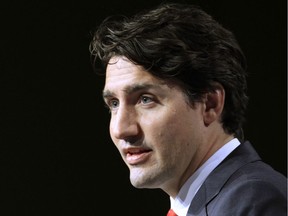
{"x":146,"y":99}
{"x":113,"y":104}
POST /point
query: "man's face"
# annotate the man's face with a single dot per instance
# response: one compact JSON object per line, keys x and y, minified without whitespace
{"x":156,"y":132}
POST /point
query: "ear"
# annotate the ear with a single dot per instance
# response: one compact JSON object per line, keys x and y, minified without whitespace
{"x":214,"y":104}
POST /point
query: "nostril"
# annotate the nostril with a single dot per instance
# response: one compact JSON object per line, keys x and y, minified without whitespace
{"x":133,"y":140}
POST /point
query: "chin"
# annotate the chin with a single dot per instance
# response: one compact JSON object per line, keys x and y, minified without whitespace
{"x":142,"y":180}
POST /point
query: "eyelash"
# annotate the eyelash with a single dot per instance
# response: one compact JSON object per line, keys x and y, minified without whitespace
{"x":109,"y":103}
{"x":142,"y":99}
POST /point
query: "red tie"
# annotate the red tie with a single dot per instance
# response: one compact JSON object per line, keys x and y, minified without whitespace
{"x":171,"y":213}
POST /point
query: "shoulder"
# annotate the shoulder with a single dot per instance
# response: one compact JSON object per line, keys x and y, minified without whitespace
{"x":243,"y":167}
{"x":257,"y":171}
{"x":253,"y":189}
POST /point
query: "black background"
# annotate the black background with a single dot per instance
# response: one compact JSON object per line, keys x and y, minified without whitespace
{"x":56,"y":157}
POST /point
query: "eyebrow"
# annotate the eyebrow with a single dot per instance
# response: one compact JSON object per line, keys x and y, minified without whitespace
{"x":131,"y":89}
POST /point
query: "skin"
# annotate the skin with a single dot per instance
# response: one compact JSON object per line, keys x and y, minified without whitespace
{"x":161,"y":138}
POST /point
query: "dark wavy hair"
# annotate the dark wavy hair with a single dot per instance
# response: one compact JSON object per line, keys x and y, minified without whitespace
{"x":184,"y":44}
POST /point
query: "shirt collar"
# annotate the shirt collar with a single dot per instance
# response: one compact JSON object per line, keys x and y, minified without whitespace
{"x":187,"y":192}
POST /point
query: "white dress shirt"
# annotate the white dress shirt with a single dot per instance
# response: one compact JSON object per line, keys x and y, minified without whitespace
{"x":181,"y":203}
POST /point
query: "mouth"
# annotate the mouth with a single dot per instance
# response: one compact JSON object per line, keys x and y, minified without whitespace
{"x":135,"y":156}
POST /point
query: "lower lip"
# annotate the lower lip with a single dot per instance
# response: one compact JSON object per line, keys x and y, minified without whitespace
{"x":134,"y":159}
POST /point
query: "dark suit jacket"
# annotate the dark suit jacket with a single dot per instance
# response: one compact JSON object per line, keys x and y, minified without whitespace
{"x":242,"y":185}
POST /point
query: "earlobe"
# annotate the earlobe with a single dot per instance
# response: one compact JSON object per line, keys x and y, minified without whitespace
{"x":214,"y":103}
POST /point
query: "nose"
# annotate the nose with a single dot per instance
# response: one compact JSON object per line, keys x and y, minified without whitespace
{"x":124,"y":125}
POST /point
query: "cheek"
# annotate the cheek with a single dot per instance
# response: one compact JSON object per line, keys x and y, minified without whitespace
{"x":111,"y":134}
{"x":164,"y":129}
{"x":172,"y":144}
{"x":175,"y":131}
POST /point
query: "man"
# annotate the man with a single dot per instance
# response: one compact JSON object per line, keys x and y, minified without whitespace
{"x":176,"y":89}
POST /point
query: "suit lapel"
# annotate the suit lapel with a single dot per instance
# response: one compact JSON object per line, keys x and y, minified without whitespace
{"x":242,"y":155}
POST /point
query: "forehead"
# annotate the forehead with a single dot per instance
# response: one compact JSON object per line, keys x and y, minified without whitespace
{"x":121,"y":72}
{"x":121,"y":66}
{"x":120,"y":62}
